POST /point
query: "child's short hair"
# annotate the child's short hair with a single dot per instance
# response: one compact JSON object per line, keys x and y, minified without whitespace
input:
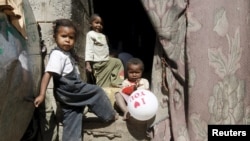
{"x":63,"y":22}
{"x":93,"y":17}
{"x":135,"y":61}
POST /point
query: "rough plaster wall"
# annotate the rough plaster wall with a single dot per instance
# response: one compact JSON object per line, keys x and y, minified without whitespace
{"x":80,"y":14}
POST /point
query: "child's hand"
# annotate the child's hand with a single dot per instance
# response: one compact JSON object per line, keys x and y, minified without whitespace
{"x":88,"y":67}
{"x":129,"y":89}
{"x":38,"y":100}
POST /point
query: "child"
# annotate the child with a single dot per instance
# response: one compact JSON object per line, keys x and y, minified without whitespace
{"x":135,"y":68}
{"x":69,"y":90}
{"x":108,"y":71}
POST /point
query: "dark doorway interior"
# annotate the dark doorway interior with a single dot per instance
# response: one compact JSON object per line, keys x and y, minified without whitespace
{"x":128,"y":29}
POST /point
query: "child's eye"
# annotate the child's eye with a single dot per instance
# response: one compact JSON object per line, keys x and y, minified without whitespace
{"x":64,"y":36}
{"x":72,"y":37}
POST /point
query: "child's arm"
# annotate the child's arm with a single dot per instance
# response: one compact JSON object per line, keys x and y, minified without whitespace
{"x":89,"y":52}
{"x":44,"y":84}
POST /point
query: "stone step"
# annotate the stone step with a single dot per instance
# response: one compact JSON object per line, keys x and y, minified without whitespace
{"x":119,"y":130}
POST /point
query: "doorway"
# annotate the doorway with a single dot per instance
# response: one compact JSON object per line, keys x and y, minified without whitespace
{"x":128,"y":29}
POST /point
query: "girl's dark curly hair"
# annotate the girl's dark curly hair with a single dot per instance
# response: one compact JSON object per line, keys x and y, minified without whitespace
{"x":63,"y":22}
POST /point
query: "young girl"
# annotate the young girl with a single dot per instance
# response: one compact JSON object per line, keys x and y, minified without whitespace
{"x":69,"y":90}
{"x":135,"y":68}
{"x":108,"y":71}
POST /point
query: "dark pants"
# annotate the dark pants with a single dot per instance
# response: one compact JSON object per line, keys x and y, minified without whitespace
{"x":73,"y":95}
{"x":72,"y":124}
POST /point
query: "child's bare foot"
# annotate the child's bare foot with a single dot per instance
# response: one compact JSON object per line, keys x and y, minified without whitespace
{"x":126,"y":115}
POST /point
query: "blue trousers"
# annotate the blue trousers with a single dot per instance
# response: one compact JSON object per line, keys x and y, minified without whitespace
{"x":73,"y":95}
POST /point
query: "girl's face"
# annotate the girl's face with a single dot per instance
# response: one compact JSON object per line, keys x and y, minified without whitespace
{"x":65,"y":37}
{"x":134,"y":72}
{"x":96,"y":24}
